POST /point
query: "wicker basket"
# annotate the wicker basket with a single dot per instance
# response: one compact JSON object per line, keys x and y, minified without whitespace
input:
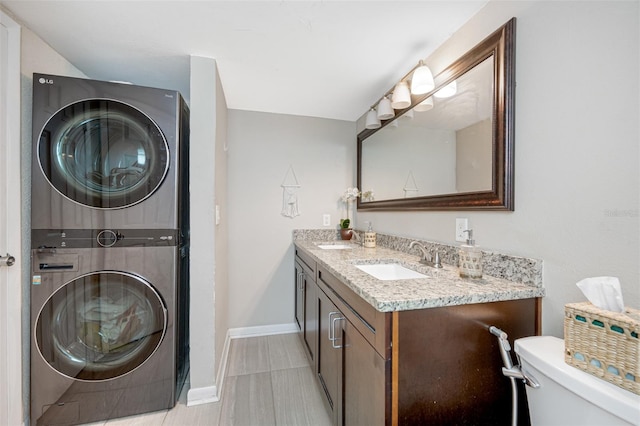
{"x":604,"y":343}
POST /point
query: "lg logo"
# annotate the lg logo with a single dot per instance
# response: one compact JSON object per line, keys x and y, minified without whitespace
{"x":43,"y":80}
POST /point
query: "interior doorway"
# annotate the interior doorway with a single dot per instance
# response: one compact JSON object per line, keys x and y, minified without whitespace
{"x":11,"y":402}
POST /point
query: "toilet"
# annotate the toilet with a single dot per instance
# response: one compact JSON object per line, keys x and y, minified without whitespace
{"x":568,"y":396}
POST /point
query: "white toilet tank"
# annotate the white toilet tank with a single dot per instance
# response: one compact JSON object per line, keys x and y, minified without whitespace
{"x":568,"y":396}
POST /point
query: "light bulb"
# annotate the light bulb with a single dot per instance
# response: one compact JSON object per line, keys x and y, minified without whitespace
{"x":385,"y":111}
{"x":422,"y":80}
{"x":401,"y":97}
{"x":372,"y":121}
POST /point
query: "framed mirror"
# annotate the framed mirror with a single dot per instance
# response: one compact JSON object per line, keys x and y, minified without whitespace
{"x":448,"y":151}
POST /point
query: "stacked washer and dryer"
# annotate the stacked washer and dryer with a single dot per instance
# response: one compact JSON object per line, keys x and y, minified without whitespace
{"x":110,"y":244}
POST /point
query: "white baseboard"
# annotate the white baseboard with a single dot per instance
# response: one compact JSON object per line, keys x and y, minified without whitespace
{"x":208,"y":394}
{"x":205,"y":395}
{"x":262,"y":330}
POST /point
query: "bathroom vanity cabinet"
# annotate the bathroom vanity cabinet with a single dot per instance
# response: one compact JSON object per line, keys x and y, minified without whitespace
{"x":351,"y":372}
{"x":306,"y":316}
{"x":435,"y":365}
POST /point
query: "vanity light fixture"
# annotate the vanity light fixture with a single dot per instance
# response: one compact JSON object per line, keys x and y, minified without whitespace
{"x":447,"y":91}
{"x":421,"y":83}
{"x":422,"y":80}
{"x":425,"y":105}
{"x":385,"y":111}
{"x":372,"y":121}
{"x":401,"y":97}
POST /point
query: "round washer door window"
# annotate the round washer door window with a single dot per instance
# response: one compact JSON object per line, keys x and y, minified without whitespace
{"x":103,"y":153}
{"x":101,"y":326}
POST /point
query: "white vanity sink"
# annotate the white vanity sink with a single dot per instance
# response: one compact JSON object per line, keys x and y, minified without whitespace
{"x":390,"y":271}
{"x":334,"y":246}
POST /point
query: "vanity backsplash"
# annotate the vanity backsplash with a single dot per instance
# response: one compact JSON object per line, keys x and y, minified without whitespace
{"x":513,"y":268}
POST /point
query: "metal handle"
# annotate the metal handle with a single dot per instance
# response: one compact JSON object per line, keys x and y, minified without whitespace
{"x":333,"y":326}
{"x":49,"y":266}
{"x":300,"y":283}
{"x":332,"y":329}
{"x":331,"y":334}
{"x":7,"y":260}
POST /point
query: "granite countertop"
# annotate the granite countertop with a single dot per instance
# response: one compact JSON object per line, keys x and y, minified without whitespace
{"x":443,"y":287}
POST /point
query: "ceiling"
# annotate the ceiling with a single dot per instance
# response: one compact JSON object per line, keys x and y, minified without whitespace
{"x":329,"y":59}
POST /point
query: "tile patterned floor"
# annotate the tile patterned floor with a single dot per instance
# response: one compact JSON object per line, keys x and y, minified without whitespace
{"x":268,"y":382}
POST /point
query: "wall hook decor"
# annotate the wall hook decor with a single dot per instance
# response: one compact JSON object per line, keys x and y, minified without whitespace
{"x":290,"y":188}
{"x":410,"y":187}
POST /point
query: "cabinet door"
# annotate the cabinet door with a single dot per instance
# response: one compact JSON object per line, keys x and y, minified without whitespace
{"x":449,"y":366}
{"x":299,"y":296}
{"x":329,"y":357}
{"x":310,"y":323}
{"x":364,"y":380}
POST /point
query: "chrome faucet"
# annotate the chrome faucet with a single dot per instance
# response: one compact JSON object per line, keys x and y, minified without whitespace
{"x":355,"y":235}
{"x":426,"y":258}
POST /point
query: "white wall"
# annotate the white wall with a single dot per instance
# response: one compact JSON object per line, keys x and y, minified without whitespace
{"x":576,"y":146}
{"x":262,"y":146}
{"x":221,"y":301}
{"x":208,"y":281}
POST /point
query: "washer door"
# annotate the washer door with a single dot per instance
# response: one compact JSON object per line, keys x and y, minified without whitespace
{"x":101,"y":326}
{"x":103,"y":153}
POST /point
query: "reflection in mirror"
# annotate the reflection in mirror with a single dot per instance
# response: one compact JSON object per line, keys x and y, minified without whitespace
{"x":450,"y":152}
{"x":450,"y":144}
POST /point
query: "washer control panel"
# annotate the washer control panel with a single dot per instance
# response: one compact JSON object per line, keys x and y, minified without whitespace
{"x":107,"y":238}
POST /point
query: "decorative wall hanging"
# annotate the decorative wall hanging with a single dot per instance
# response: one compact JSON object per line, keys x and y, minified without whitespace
{"x":410,"y":187}
{"x":290,"y":188}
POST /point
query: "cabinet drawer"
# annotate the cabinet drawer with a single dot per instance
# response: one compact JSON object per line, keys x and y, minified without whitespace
{"x":310,"y":273}
{"x":373,"y":325}
{"x":307,"y":262}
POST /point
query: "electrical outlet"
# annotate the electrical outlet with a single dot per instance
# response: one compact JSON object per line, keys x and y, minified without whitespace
{"x":462,"y":224}
{"x":326,"y":219}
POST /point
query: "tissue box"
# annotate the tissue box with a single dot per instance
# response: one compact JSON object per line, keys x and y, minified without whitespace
{"x":604,"y":343}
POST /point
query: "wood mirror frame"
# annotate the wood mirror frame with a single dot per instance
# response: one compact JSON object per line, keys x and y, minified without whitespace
{"x":500,"y":45}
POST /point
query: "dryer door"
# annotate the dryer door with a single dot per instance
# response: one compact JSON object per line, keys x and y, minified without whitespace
{"x":103,"y":153}
{"x":101,"y":326}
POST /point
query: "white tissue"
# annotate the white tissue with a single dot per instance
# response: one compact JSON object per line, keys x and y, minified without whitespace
{"x":603,"y":292}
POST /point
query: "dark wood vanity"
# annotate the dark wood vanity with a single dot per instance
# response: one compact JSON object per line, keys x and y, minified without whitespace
{"x":411,"y":367}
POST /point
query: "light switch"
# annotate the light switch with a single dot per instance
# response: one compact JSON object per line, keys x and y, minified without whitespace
{"x":217,"y":214}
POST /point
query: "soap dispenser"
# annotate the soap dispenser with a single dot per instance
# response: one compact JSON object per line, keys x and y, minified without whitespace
{"x":370,"y":237}
{"x":470,"y":258}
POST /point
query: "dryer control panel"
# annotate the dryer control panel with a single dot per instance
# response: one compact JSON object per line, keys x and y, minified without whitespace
{"x":95,"y":238}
